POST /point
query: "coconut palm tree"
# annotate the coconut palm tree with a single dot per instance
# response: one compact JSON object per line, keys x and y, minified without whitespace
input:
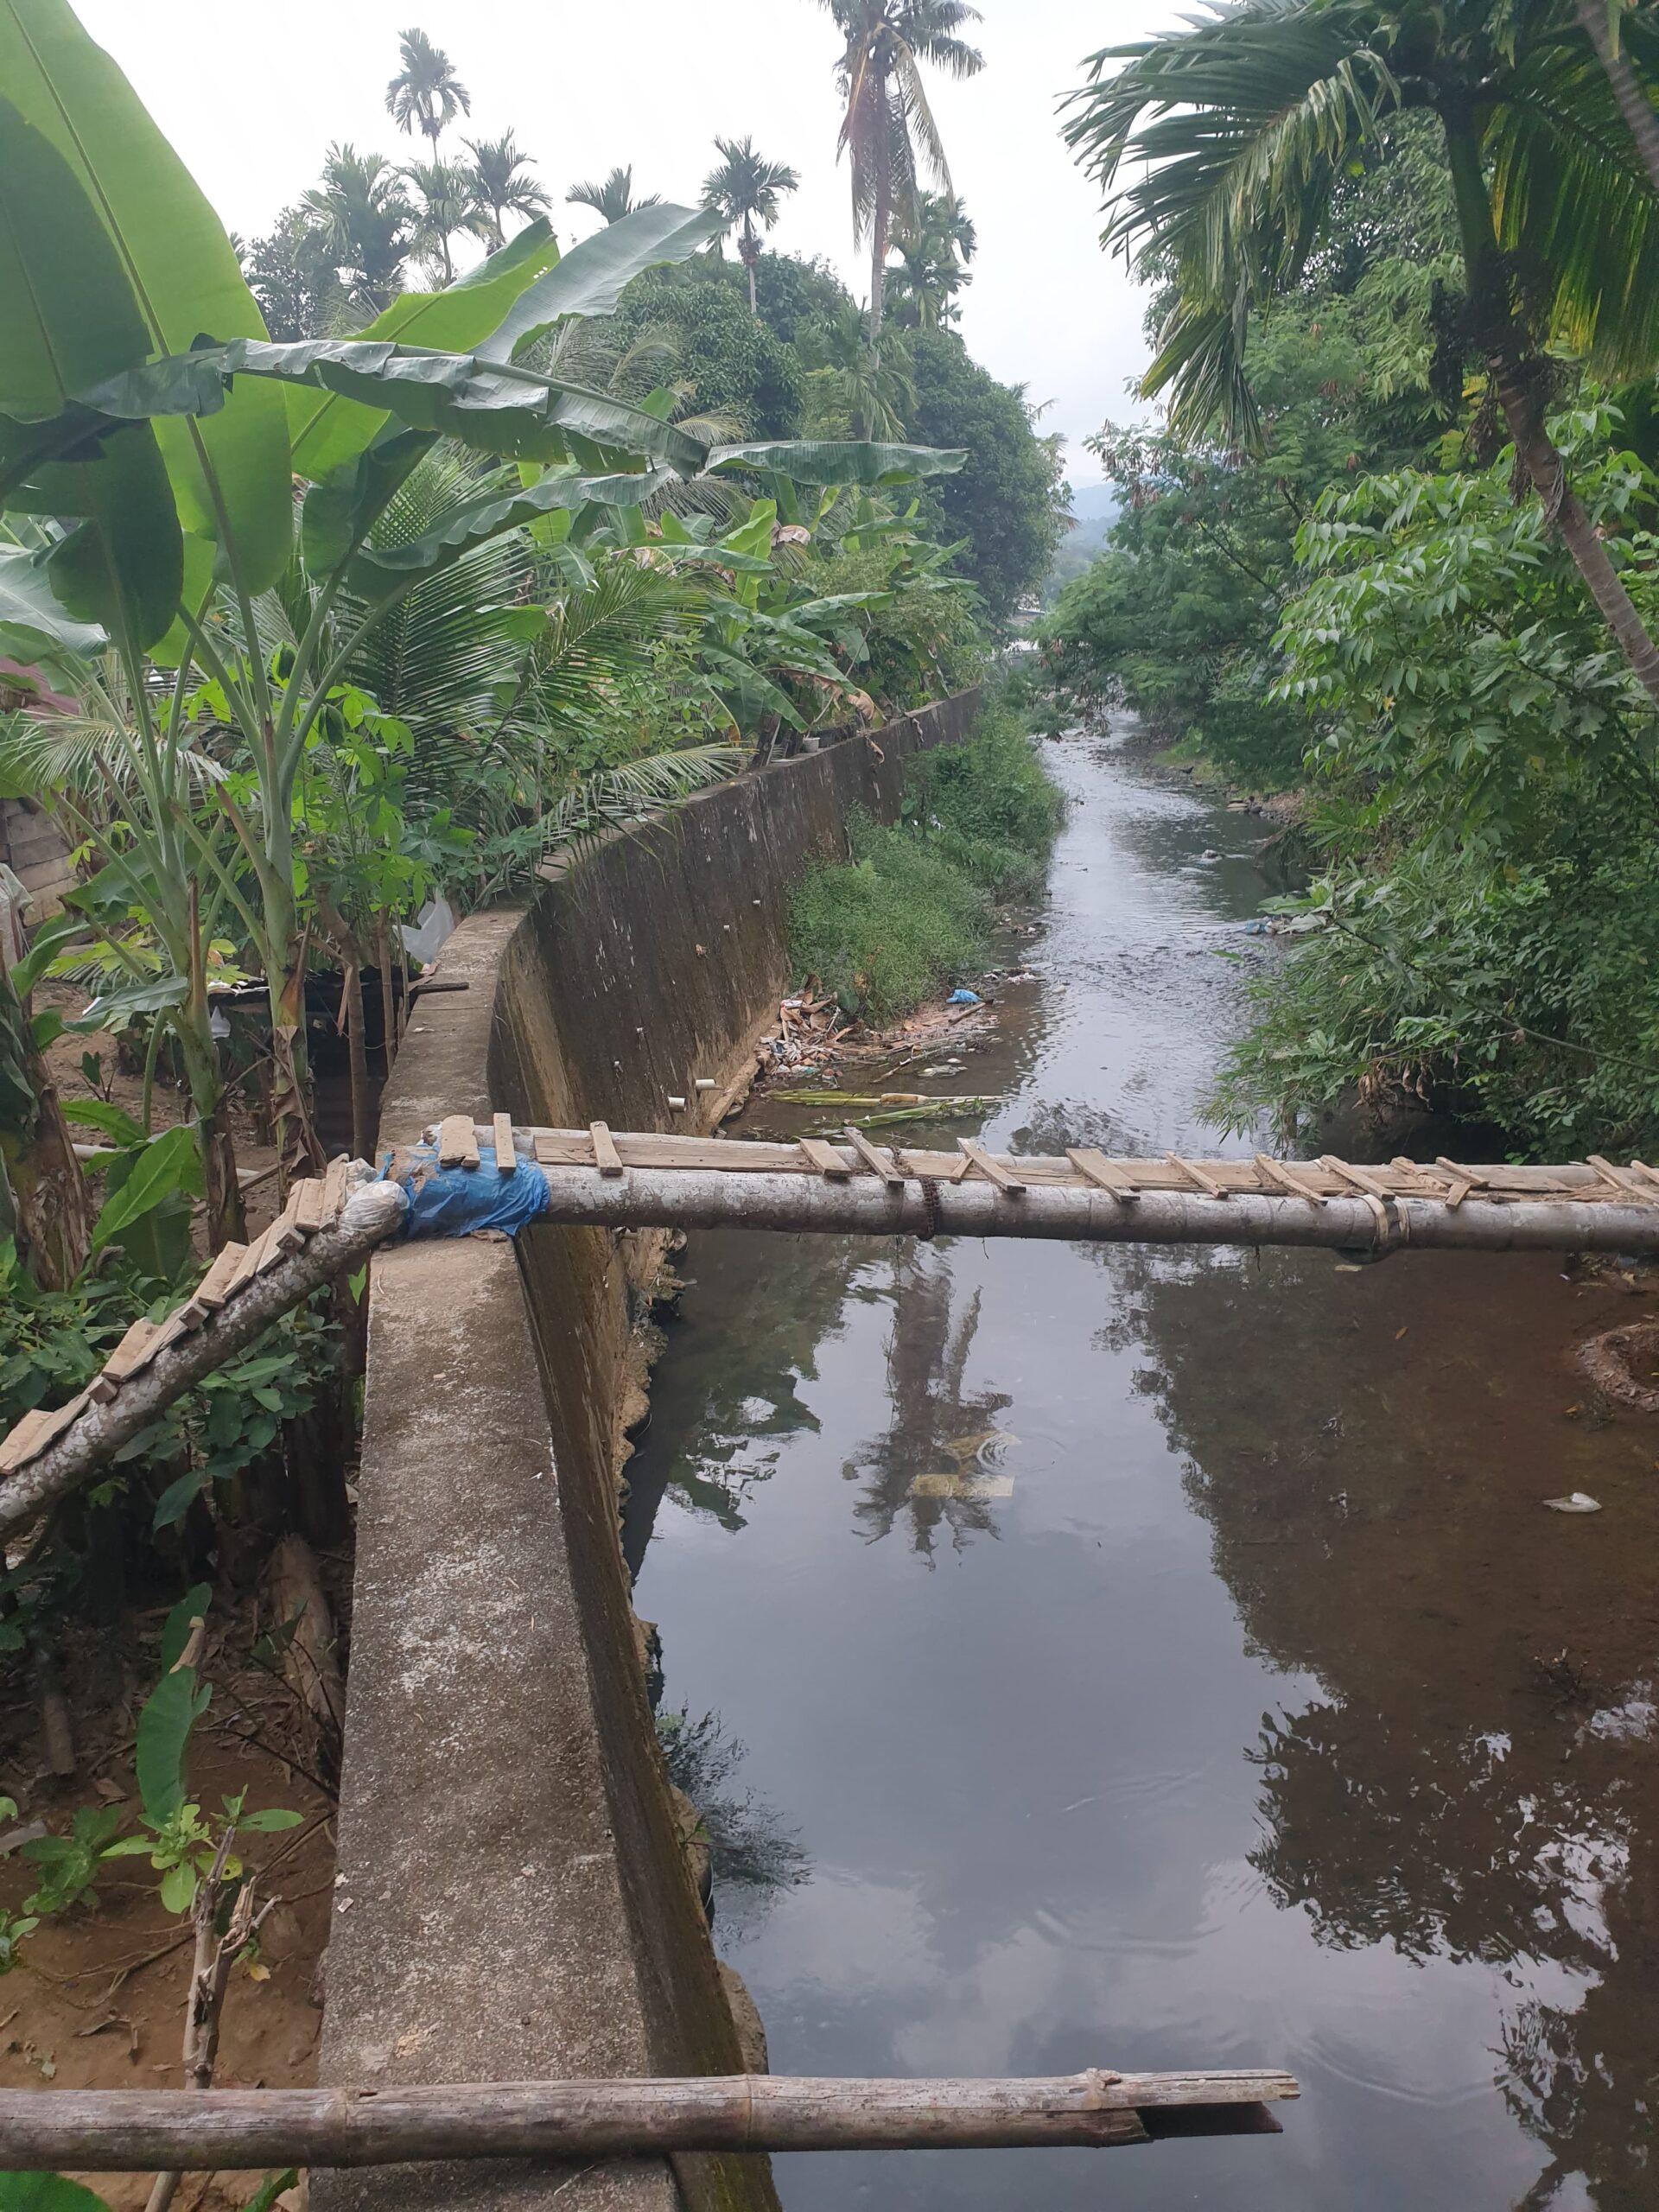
{"x":748,"y":189}
{"x":1219,"y":147}
{"x":363,"y":216}
{"x":445,"y":207}
{"x":499,"y":186}
{"x":614,"y":198}
{"x":933,"y":264}
{"x":887,"y":122}
{"x":425,"y":95}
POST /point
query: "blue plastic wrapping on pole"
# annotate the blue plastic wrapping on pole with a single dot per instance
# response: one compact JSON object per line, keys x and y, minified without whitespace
{"x":458,"y":1201}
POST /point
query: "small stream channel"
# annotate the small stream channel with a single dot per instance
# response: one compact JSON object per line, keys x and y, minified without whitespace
{"x":1126,"y":1658}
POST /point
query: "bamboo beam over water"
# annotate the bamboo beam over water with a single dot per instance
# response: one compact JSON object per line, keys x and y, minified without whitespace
{"x":130,"y":2131}
{"x":862,"y":1204}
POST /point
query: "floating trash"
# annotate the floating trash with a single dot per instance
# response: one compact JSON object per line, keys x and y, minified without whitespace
{"x":1578,"y":1501}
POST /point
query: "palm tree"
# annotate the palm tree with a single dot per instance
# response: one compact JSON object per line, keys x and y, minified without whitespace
{"x":748,"y":189}
{"x":614,"y":198}
{"x":855,"y":389}
{"x":360,"y":212}
{"x":932,"y":261}
{"x":1600,"y":19}
{"x":445,"y":207}
{"x":425,"y":95}
{"x":1235,"y":132}
{"x":887,"y":120}
{"x":499,"y":187}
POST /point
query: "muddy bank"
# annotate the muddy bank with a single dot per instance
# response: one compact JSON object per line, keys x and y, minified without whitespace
{"x":521,"y":1901}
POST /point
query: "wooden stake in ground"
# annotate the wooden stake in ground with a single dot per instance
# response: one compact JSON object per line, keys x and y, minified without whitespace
{"x":123,"y":2130}
{"x":210,"y":1974}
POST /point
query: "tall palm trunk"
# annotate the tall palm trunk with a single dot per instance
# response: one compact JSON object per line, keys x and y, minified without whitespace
{"x":881,"y":235}
{"x":1519,"y":377}
{"x":52,"y":1214}
{"x":1633,"y":103}
{"x":749,"y":246}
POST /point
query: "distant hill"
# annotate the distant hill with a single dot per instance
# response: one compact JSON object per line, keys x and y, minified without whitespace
{"x":1095,"y":507}
{"x":1094,"y":502}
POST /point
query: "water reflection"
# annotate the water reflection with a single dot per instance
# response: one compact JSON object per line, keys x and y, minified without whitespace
{"x":938,"y":1464}
{"x":1476,"y":1781}
{"x":753,"y":1855}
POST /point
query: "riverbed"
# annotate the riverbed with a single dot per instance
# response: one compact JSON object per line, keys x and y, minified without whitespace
{"x":1096,"y":1656}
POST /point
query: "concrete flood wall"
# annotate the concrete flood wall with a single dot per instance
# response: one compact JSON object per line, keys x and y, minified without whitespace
{"x":515,"y":1898}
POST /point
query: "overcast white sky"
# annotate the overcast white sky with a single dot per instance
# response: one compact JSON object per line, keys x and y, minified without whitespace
{"x":251,"y":92}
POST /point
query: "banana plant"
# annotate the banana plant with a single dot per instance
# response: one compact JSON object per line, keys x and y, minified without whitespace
{"x":143,"y":411}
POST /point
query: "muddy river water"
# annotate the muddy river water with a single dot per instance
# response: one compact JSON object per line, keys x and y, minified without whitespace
{"x":1096,"y":1656}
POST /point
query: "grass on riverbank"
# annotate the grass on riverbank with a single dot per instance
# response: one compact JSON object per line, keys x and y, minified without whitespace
{"x":910,"y":915}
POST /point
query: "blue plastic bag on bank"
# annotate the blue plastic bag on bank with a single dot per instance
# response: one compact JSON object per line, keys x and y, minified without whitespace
{"x":459,"y":1201}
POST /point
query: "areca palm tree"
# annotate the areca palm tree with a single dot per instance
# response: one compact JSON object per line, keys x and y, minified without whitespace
{"x":887,"y":124}
{"x":363,"y":216}
{"x":425,"y":95}
{"x":445,"y":207}
{"x":748,"y":189}
{"x":932,"y":263}
{"x":501,"y":184}
{"x":1218,"y":147}
{"x":614,"y":199}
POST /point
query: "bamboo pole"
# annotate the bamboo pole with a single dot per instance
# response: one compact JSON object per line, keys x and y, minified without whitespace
{"x":371,"y":1215}
{"x":861,"y":1204}
{"x":121,"y":2130}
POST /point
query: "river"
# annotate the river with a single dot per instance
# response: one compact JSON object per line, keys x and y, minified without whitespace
{"x":1097,"y":1657}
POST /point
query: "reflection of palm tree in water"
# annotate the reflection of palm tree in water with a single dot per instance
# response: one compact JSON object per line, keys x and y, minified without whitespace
{"x":751,"y":1854}
{"x":936,"y":1432}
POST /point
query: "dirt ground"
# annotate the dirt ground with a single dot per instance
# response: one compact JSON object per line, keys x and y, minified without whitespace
{"x":97,"y":2002}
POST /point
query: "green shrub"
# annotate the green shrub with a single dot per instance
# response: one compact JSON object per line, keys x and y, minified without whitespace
{"x":893,"y":929}
{"x":910,"y":915}
{"x":987,"y":805}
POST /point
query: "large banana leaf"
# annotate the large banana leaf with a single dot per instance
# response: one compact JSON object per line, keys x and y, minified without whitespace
{"x":328,"y":429}
{"x":512,"y":414}
{"x":70,"y":319}
{"x":342,"y":508}
{"x":123,"y":566}
{"x":33,"y":625}
{"x":591,"y":278}
{"x":376,"y":569}
{"x":820,"y":460}
{"x":230,"y":474}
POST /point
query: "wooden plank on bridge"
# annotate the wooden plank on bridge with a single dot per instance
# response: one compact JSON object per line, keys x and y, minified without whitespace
{"x":606,"y":1158}
{"x":992,"y":1170}
{"x":1105,"y":1174}
{"x":825,"y":1160}
{"x":888,"y":1168}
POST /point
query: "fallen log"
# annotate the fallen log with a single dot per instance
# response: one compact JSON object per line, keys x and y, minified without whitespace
{"x":121,"y":2131}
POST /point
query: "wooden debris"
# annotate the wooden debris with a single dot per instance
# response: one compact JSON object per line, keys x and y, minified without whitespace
{"x":606,"y":1158}
{"x":457,"y":1142}
{"x":825,"y":1159}
{"x":992,"y":1170}
{"x":1463,"y":1181}
{"x":887,"y":1168}
{"x":1095,"y":1168}
{"x":1199,"y":1177}
{"x":507,"y":1156}
{"x":1280,"y":1176}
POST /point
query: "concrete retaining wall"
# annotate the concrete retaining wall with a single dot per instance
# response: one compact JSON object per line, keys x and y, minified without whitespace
{"x":515,"y":1900}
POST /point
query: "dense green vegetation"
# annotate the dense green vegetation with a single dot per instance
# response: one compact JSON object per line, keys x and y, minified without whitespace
{"x":1392,"y":546}
{"x":909,"y":916}
{"x":498,"y":547}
